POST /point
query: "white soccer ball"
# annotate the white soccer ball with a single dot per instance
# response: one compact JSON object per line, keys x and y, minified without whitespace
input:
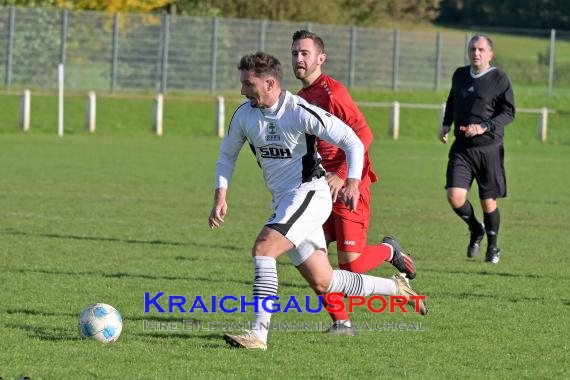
{"x":101,"y":322}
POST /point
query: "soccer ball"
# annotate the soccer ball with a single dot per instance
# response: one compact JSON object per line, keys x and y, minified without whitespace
{"x":101,"y":322}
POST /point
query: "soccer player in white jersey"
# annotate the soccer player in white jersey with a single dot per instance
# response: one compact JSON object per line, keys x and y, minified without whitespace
{"x":281,"y":129}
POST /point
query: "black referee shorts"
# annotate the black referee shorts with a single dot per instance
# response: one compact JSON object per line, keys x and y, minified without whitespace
{"x":483,"y":163}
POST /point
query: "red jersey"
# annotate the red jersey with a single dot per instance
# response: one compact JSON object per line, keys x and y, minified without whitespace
{"x":333,"y":97}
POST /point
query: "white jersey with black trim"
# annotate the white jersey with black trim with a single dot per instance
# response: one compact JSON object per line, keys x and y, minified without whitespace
{"x":284,"y":143}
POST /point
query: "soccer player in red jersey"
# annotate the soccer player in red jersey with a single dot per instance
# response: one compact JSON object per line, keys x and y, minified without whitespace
{"x":347,"y":228}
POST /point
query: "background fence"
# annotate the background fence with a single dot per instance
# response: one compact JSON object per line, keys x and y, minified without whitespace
{"x":150,"y":52}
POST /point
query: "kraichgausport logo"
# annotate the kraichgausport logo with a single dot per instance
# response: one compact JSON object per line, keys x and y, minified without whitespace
{"x":239,"y":304}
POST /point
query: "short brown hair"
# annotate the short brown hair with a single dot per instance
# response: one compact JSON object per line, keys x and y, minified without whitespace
{"x":262,"y":64}
{"x":302,"y":34}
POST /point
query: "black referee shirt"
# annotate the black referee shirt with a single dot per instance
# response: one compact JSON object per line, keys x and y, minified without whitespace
{"x":487,"y":100}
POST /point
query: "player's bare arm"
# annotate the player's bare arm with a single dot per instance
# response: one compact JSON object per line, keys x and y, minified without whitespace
{"x":219,"y":209}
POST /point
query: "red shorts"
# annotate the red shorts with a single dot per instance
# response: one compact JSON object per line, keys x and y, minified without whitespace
{"x":347,"y":228}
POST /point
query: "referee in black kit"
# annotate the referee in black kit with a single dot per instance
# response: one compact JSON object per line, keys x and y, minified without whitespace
{"x":480,"y":104}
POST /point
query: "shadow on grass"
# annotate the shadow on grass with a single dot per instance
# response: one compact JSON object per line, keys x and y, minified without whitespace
{"x":126,"y":241}
{"x":494,"y":297}
{"x":489,"y":273}
{"x":121,"y":275}
{"x":61,"y":335}
{"x":185,"y":258}
{"x":124,"y":275}
{"x":151,"y":318}
{"x":40,"y":313}
{"x":44,"y":333}
{"x":209,"y":338}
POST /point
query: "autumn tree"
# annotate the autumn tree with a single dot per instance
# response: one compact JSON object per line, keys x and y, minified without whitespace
{"x":115,"y":5}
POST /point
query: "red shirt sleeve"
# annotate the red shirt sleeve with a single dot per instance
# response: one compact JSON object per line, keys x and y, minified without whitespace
{"x":333,"y":97}
{"x":343,"y":107}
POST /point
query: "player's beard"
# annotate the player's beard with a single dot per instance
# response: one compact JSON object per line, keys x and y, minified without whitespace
{"x":307,"y":72}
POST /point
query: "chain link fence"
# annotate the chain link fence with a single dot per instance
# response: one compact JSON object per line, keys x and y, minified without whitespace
{"x":162,"y":53}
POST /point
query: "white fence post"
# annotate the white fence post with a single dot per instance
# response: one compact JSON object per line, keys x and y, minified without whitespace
{"x":442,"y":114}
{"x":220,"y":116}
{"x":25,"y":106}
{"x":60,"y":77}
{"x":542,"y":124}
{"x":157,"y":119}
{"x":395,"y":121}
{"x":91,"y":111}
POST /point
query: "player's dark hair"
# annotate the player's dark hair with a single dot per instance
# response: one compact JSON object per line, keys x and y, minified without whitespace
{"x":481,"y":37}
{"x":302,"y":34}
{"x":262,"y":64}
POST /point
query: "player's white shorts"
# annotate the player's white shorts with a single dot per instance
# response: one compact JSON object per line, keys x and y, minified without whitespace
{"x":300,"y":215}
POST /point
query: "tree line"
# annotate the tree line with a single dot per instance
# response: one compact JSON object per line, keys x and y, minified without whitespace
{"x":536,"y":14}
{"x":542,"y":14}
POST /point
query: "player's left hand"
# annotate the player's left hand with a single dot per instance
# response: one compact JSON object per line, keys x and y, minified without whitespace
{"x":472,"y":130}
{"x":351,"y":193}
{"x":335,"y":184}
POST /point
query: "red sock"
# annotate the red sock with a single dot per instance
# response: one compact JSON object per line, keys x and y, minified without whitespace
{"x":340,"y":316}
{"x":373,"y":257}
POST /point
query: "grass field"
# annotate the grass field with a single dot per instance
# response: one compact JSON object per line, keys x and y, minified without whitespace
{"x":108,"y":217}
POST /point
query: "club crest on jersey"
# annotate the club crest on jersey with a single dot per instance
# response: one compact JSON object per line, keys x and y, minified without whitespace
{"x":272,"y":132}
{"x":274,"y":151}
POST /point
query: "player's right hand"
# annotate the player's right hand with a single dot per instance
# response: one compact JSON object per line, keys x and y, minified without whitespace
{"x":351,"y":193}
{"x":443,"y":132}
{"x":217,"y":215}
{"x":219,"y":209}
{"x":335,"y":184}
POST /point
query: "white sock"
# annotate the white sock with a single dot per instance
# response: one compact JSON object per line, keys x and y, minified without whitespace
{"x":391,"y":251}
{"x":379,"y":285}
{"x":354,"y":284}
{"x":264,"y":285}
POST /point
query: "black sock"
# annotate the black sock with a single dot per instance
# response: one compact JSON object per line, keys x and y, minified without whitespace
{"x":492,"y":222}
{"x":466,"y":213}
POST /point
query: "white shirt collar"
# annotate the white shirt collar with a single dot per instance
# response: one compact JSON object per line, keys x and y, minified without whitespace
{"x":272,"y":111}
{"x":475,"y":76}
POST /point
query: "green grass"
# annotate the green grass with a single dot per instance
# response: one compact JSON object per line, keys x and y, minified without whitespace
{"x":107,"y":217}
